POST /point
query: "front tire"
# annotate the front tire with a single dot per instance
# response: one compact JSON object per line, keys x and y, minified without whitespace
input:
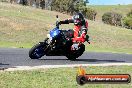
{"x":37,"y":51}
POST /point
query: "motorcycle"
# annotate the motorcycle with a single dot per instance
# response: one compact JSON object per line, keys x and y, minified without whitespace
{"x":58,"y":43}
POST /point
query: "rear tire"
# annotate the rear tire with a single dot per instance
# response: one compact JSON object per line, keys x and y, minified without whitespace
{"x":71,"y":57}
{"x":75,"y":54}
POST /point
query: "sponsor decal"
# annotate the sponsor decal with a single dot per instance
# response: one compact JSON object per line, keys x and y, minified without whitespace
{"x":83,"y":78}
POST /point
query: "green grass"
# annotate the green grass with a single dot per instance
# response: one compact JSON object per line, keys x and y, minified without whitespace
{"x":101,"y":9}
{"x":108,"y":38}
{"x":59,"y":78}
{"x":23,"y":27}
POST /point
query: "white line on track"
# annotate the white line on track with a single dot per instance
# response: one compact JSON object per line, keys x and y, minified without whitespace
{"x":58,"y":66}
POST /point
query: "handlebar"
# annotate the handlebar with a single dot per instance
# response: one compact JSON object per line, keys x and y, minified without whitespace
{"x":57,"y":21}
{"x":57,"y":24}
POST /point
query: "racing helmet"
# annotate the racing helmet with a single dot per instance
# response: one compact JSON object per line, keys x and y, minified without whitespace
{"x":78,"y":18}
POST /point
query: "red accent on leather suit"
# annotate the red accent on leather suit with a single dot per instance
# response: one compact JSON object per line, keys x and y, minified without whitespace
{"x":76,"y":33}
{"x":77,"y":29}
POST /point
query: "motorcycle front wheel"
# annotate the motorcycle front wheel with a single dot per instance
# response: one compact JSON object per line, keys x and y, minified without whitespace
{"x":37,"y":51}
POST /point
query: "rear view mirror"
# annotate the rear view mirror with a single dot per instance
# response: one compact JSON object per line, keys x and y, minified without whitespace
{"x":56,"y":16}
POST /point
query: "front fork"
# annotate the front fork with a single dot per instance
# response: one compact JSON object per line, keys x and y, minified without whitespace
{"x":50,"y":45}
{"x":45,"y":43}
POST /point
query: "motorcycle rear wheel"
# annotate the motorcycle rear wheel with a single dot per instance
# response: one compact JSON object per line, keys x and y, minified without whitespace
{"x":73,"y":55}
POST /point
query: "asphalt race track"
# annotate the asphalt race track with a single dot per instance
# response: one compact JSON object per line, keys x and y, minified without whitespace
{"x":11,"y":57}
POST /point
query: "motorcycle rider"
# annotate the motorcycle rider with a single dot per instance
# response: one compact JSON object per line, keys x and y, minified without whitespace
{"x":80,"y":28}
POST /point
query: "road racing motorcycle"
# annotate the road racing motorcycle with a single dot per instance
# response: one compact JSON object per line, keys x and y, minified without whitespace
{"x":58,"y":43}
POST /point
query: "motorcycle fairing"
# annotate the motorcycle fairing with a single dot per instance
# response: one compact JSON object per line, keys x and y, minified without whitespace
{"x":55,"y":32}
